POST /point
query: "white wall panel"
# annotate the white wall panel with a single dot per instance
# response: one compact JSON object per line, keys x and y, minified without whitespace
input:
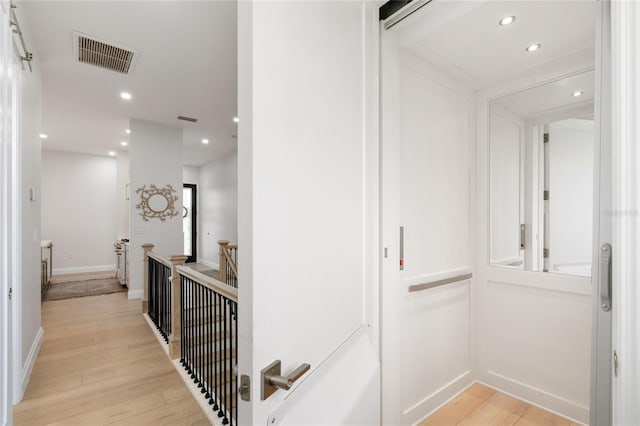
{"x":79,"y":209}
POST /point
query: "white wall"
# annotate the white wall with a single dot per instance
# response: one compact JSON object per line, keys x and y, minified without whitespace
{"x":31,"y":216}
{"x":218,"y":210}
{"x":122,"y":189}
{"x":427,"y":134}
{"x":79,"y":210}
{"x":153,"y":151}
{"x":571,"y":200}
{"x":534,"y":328}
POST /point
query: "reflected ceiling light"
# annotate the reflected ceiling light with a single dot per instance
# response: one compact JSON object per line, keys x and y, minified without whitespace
{"x":533,"y":47}
{"x":126,"y":96}
{"x":577,"y":93}
{"x":123,"y":143}
{"x":506,"y":21}
{"x":112,"y":153}
{"x":43,"y":136}
{"x":128,"y":131}
{"x":205,"y":141}
{"x":236,"y":119}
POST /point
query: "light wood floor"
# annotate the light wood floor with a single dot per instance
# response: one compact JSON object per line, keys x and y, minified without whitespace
{"x":100,"y":364}
{"x":483,"y":406}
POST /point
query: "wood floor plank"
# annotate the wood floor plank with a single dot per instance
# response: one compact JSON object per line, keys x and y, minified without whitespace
{"x":536,"y":416}
{"x":460,"y":407}
{"x":498,"y":410}
{"x":101,"y":364}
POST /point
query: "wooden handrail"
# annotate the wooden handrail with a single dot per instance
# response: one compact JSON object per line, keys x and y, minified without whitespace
{"x":164,"y":260}
{"x":227,"y":291}
{"x":225,"y":258}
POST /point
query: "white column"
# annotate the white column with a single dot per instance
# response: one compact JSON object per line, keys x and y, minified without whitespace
{"x":155,"y":152}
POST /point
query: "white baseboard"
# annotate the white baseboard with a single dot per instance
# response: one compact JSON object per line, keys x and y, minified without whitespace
{"x":27,"y":368}
{"x":423,"y":409}
{"x":135,"y":294}
{"x":209,"y":264}
{"x":83,"y":269}
{"x":545,"y":400}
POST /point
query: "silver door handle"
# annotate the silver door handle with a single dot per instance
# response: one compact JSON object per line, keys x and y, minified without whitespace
{"x":272,"y":380}
{"x":604,"y":280}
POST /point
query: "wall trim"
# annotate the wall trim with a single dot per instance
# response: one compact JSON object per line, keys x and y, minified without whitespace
{"x":542,"y":399}
{"x":440,"y":397}
{"x":30,"y":362}
{"x":84,"y":269}
{"x":135,"y":294}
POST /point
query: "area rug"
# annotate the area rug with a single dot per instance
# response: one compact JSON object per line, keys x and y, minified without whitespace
{"x":72,"y":289}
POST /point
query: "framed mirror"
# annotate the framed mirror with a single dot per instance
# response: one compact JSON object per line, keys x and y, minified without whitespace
{"x":541,"y":177}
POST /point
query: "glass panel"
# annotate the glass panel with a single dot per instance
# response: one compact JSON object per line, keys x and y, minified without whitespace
{"x":541,"y":177}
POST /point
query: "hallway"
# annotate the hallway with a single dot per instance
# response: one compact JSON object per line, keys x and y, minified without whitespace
{"x":101,"y":364}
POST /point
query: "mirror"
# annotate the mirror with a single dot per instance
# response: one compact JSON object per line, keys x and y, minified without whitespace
{"x":541,"y":177}
{"x":158,"y":203}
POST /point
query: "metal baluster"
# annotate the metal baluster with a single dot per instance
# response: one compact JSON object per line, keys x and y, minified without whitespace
{"x":235,"y":359}
{"x":223,"y":336}
{"x":209,"y":349}
{"x":192,"y":327}
{"x":182,"y":321}
{"x":216,"y":353}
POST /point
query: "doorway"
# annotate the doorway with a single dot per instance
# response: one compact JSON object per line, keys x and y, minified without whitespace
{"x":463,"y":205}
{"x":189,"y":221}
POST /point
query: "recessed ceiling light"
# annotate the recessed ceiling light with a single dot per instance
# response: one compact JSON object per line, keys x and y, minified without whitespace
{"x":507,"y":20}
{"x":112,"y":153}
{"x":533,"y":47}
{"x":43,"y":136}
{"x":205,"y":141}
{"x":126,"y":96}
{"x":236,"y":119}
{"x":123,"y":143}
{"x":577,"y":93}
{"x":128,"y":131}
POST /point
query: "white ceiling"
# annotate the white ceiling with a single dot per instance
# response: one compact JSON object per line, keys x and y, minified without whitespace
{"x":186,"y":66}
{"x":484,"y":53}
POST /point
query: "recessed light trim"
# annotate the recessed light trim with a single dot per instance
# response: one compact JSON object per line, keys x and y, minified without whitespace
{"x":506,"y":21}
{"x":112,"y":153}
{"x":533,"y":47}
{"x":126,"y":96}
{"x":236,"y":119}
{"x":124,"y":143}
{"x":43,"y":136}
{"x":577,"y":93}
{"x":128,"y":131}
{"x":205,"y":141}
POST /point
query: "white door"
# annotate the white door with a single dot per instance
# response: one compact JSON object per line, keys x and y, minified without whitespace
{"x":601,"y":353}
{"x":307,"y":201}
{"x":7,"y":70}
{"x":426,"y":141}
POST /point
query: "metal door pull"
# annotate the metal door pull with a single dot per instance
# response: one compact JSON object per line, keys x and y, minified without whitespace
{"x":605,"y":277}
{"x":272,"y":380}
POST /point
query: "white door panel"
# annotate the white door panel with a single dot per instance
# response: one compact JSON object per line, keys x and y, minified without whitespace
{"x":304,"y":144}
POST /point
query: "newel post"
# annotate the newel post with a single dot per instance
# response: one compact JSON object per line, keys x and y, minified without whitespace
{"x":223,"y":260}
{"x":147,"y":247}
{"x":176,"y":302}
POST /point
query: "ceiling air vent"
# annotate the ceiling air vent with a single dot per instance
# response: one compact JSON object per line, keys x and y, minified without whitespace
{"x":90,"y":50}
{"x":183,"y":118}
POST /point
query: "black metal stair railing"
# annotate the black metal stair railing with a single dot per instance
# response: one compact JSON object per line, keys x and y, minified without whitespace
{"x":209,"y":338}
{"x":159,"y":296}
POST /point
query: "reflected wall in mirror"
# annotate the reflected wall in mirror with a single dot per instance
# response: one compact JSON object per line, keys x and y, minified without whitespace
{"x":541,"y":177}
